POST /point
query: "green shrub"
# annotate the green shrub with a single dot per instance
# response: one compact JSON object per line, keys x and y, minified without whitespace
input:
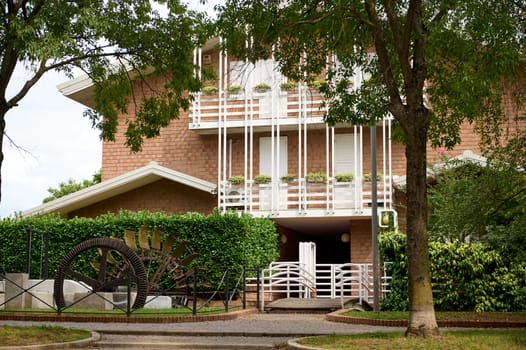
{"x":465,"y":277}
{"x":228,"y":240}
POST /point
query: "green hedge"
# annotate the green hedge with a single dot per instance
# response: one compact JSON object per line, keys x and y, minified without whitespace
{"x":229,"y":240}
{"x":465,"y":277}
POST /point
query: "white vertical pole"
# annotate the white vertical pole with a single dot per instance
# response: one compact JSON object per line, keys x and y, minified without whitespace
{"x":221,"y":178}
{"x":332,"y":168}
{"x":374,"y":218}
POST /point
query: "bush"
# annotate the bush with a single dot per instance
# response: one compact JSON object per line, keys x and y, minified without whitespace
{"x":228,"y":240}
{"x":465,"y":277}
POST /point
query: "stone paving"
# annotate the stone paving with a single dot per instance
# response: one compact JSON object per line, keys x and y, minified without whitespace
{"x":254,"y":331}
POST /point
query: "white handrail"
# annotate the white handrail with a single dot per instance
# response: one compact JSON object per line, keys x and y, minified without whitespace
{"x":331,"y":281}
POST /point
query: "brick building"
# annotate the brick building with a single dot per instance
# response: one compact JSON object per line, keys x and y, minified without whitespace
{"x":250,"y":133}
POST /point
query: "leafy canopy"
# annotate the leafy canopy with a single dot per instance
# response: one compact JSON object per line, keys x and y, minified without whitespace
{"x":71,"y":186}
{"x":115,"y":43}
{"x":468,"y":53}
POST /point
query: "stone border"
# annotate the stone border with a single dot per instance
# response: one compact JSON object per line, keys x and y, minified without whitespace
{"x":293,"y":344}
{"x":336,"y":317}
{"x":66,"y":345}
{"x":109,"y":319}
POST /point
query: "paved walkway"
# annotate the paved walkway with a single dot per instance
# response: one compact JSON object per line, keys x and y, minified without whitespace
{"x":254,"y":331}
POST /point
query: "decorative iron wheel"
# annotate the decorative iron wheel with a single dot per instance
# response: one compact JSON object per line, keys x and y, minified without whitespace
{"x":117,"y":265}
{"x":163,"y":260}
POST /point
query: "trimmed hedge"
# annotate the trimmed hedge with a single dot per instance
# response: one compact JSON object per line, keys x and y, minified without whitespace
{"x":223,"y":240}
{"x":465,"y":277}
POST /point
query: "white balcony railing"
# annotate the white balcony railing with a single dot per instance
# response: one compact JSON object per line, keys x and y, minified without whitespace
{"x":208,"y":110}
{"x":303,"y":196}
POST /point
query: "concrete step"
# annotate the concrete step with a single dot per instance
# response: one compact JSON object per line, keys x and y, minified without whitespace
{"x":130,"y":342}
{"x":310,"y":305}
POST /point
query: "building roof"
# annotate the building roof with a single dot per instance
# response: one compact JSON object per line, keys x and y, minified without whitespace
{"x":466,"y":156}
{"x":118,"y":185}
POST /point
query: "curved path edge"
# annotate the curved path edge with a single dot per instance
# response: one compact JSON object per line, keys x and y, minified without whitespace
{"x":337,"y":317}
{"x":82,"y":343}
{"x":109,"y":319}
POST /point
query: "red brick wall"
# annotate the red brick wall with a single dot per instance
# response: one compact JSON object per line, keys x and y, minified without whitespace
{"x":361,"y":246}
{"x":160,"y":196}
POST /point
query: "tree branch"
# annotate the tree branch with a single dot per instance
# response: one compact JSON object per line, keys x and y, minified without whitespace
{"x":383,"y":58}
{"x":401,"y":44}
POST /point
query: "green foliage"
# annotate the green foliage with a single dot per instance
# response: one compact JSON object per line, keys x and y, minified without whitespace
{"x":263,"y":179}
{"x":367,"y":177}
{"x":480,"y":203}
{"x":234,"y":89}
{"x":228,"y":240}
{"x":237,"y":179}
{"x":391,"y":246}
{"x":317,"y":177}
{"x":262,"y":87}
{"x":114,"y":43}
{"x":289,"y":178}
{"x":345,"y":177}
{"x":465,"y":277}
{"x":288,"y":86}
{"x":71,"y":186}
{"x":210,"y":90}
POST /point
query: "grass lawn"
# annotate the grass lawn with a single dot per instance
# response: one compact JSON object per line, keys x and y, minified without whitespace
{"x":18,"y":336}
{"x":451,"y":340}
{"x":442,"y":315}
{"x":171,"y":312}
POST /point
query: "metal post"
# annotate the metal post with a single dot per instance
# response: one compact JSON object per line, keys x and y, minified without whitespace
{"x":194,"y":297}
{"x":374,"y":218}
{"x":44,"y":271}
{"x":128,"y":295}
{"x":227,"y":288}
{"x":244,"y":288}
{"x":29,"y":237}
{"x":257,"y":288}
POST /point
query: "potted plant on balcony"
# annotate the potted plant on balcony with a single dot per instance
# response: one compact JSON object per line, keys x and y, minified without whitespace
{"x":288,"y":86}
{"x":237,"y":180}
{"x":344,"y":177}
{"x":234,"y":89}
{"x":262,"y":88}
{"x":209,"y":90}
{"x":315,"y":84}
{"x":262,"y":179}
{"x":288,"y":178}
{"x":317,"y":177}
{"x":367,"y":177}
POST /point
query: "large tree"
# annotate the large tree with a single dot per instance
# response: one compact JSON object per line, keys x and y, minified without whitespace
{"x":114,"y":43}
{"x":451,"y":55}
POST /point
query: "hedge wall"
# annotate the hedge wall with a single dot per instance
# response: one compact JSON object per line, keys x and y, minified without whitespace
{"x":465,"y":276}
{"x":229,"y":240}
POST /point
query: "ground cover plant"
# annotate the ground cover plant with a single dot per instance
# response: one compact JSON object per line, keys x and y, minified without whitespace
{"x":465,"y":340}
{"x":20,"y":336}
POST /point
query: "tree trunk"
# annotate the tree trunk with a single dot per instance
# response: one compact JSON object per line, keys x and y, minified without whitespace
{"x":422,"y":321}
{"x":3,"y":112}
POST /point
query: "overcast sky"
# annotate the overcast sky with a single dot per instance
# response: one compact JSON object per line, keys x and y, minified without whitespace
{"x":60,"y":141}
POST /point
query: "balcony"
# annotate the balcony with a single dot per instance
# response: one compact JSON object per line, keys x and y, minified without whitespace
{"x":300,"y":197}
{"x":256,"y":109}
